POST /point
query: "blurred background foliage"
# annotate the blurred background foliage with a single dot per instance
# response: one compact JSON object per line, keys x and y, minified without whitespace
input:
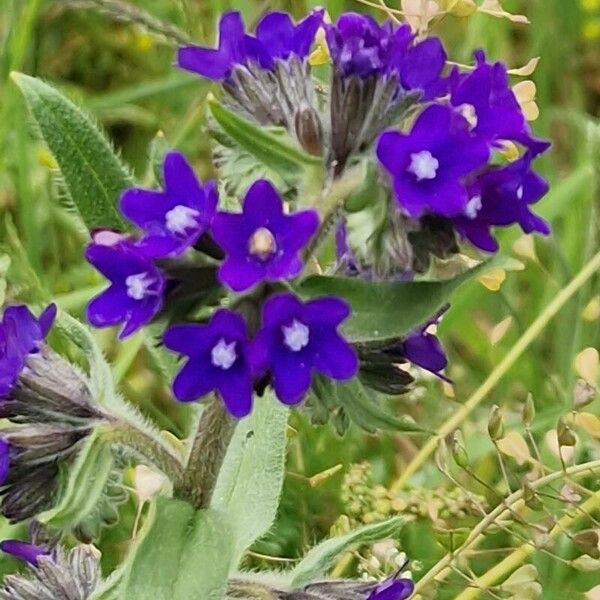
{"x":123,"y":74}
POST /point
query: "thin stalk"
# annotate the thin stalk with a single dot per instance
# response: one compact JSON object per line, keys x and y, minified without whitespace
{"x":496,"y":375}
{"x":209,"y":446}
{"x":513,"y":503}
{"x":521,"y":554}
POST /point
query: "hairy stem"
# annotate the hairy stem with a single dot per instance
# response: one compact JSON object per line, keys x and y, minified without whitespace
{"x":496,"y":375}
{"x":521,"y":554}
{"x":212,"y":438}
{"x":143,"y":444}
{"x":504,"y":510}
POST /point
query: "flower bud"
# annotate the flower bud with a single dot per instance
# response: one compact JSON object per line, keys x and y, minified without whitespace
{"x":459,"y":452}
{"x":60,"y":575}
{"x":496,"y":424}
{"x":528,"y":411}
{"x":309,"y":130}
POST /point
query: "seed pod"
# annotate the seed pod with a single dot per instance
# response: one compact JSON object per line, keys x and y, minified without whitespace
{"x":529,"y":411}
{"x":583,"y":394}
{"x":565,"y":435}
{"x":531,"y":499}
{"x":459,"y":452}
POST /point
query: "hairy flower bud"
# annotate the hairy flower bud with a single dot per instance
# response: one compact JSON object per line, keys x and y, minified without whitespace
{"x":52,"y":411}
{"x":60,"y":575}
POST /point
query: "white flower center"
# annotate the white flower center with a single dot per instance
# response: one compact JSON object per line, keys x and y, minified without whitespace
{"x":423,"y":165}
{"x":223,"y":355}
{"x":469,"y":112}
{"x":520,"y":192}
{"x":180,"y":219}
{"x":296,"y":336}
{"x":262,"y":243}
{"x":138,"y":286}
{"x":473,"y":207}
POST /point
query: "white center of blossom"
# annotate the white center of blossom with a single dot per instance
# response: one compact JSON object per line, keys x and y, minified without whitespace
{"x":520,"y":192}
{"x":138,"y":286}
{"x":296,"y":336}
{"x":180,"y":219}
{"x":473,"y":207}
{"x":223,"y":355}
{"x":423,"y":165}
{"x":262,"y":244}
{"x":469,"y":112}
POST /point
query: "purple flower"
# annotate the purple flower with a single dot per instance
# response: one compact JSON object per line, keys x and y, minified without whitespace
{"x":496,"y":115}
{"x":24,"y":551}
{"x":175,"y":219}
{"x":218,"y":361}
{"x":4,"y":460}
{"x":428,"y":166}
{"x":424,"y":349}
{"x":362,"y":47}
{"x":276,"y":38}
{"x":297,"y":339}
{"x":262,"y":243}
{"x":393,"y":589}
{"x":135,"y":294}
{"x":20,"y":334}
{"x":502,"y":197}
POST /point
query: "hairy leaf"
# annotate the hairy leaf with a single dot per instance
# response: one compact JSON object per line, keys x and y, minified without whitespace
{"x":181,"y":554}
{"x":249,"y":484}
{"x":93,"y":174}
{"x":319,"y":560}
{"x":386,"y":310}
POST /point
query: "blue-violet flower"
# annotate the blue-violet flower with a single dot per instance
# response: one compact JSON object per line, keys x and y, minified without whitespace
{"x":24,"y":551}
{"x":135,"y":294}
{"x":487,"y":99}
{"x":393,"y":589}
{"x":501,"y":197}
{"x":175,"y":219}
{"x":429,"y":164}
{"x":262,"y":243}
{"x":299,"y":338}
{"x":20,"y":335}
{"x":276,"y":38}
{"x":218,"y":361}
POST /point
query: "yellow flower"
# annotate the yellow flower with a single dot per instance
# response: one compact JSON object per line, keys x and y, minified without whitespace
{"x":591,"y":30}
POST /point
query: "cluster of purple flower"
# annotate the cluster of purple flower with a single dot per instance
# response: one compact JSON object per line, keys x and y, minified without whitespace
{"x":260,"y":244}
{"x":21,"y":334}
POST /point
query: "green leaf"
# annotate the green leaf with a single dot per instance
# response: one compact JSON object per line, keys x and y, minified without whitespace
{"x":320,"y":559}
{"x":181,"y":554}
{"x":363,"y":408}
{"x":386,"y":310}
{"x":93,"y":174}
{"x":273,"y":150}
{"x":250,"y":480}
{"x":84,"y":487}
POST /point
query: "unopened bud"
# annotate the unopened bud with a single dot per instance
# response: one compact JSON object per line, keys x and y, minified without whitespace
{"x":529,"y":411}
{"x":459,"y":452}
{"x":309,"y":130}
{"x":496,"y":424}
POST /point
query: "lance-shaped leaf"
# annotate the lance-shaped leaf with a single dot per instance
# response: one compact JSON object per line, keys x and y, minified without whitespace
{"x":86,"y":481}
{"x":93,"y":174}
{"x":388,"y":310}
{"x":250,"y":481}
{"x":181,"y":554}
{"x":320,"y":559}
{"x":363,"y":408}
{"x":275,"y":151}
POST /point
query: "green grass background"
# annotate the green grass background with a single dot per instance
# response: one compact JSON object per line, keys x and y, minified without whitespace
{"x":124,"y":76}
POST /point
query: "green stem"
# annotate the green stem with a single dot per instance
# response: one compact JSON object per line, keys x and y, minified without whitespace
{"x":521,"y":554}
{"x":207,"y":453}
{"x":147,"y":447}
{"x":504,"y":510}
{"x":496,"y":375}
